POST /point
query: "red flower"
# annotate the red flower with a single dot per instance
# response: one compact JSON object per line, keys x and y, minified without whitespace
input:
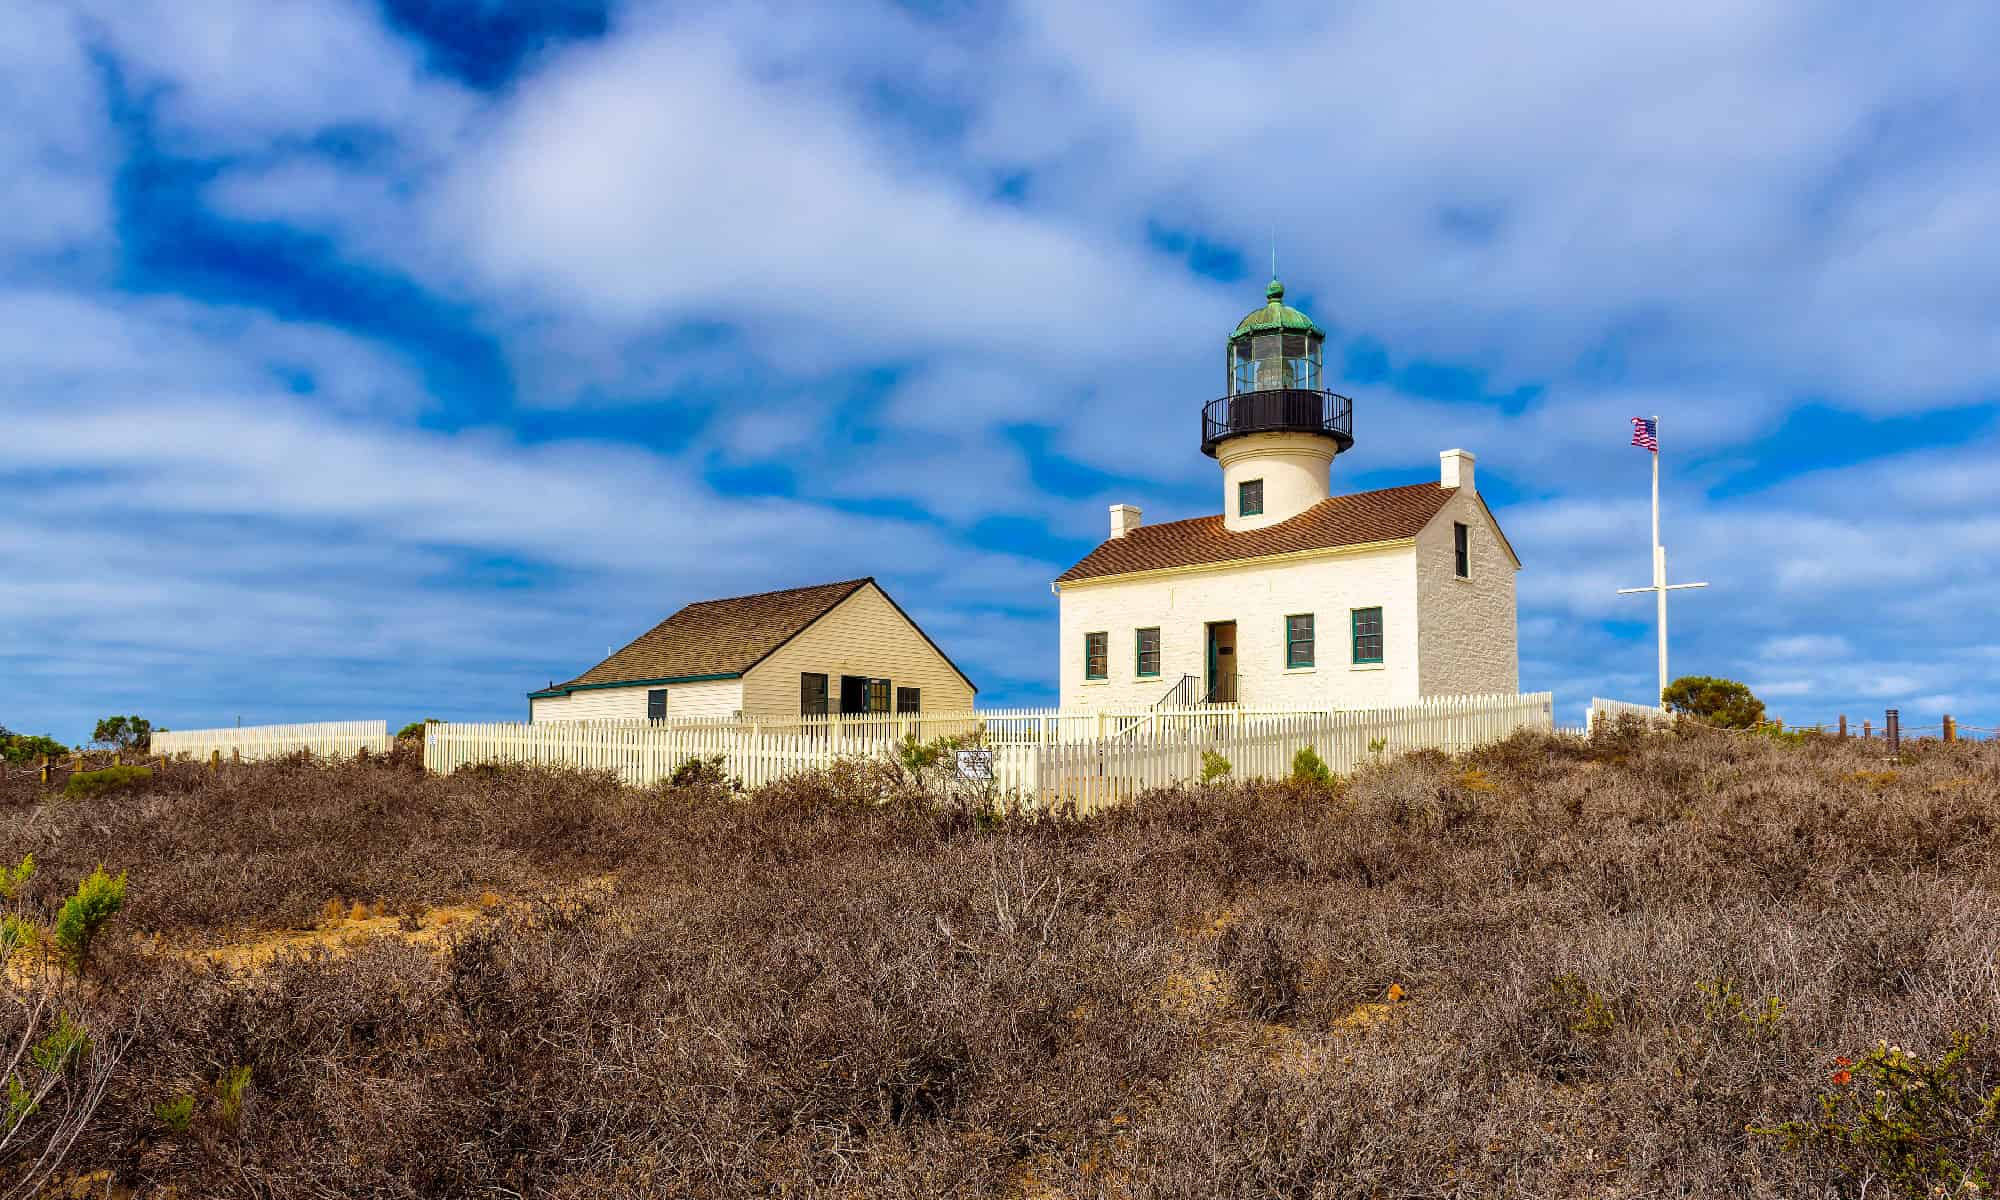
{"x":1841,"y":1060}
{"x":1842,"y":1075}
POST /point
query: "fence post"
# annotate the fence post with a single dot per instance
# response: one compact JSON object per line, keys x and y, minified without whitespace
{"x":1892,"y":729}
{"x":1950,"y":729}
{"x":1843,"y":727}
{"x":1867,"y":730}
{"x":45,"y":768}
{"x":215,"y":760}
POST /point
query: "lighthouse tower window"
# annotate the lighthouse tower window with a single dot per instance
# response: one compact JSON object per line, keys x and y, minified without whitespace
{"x":1250,"y":498}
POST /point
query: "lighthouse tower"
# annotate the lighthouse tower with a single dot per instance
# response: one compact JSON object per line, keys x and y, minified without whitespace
{"x":1277,"y":429}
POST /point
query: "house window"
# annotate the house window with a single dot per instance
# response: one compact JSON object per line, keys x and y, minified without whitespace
{"x":1096,"y":655}
{"x":1299,"y":640}
{"x":878,"y":696}
{"x":853,"y":694}
{"x":1368,"y":635}
{"x":812,"y":695}
{"x":909,"y":700}
{"x":1461,"y":547}
{"x":1250,"y":498}
{"x":1148,"y":652}
{"x":656,"y":704}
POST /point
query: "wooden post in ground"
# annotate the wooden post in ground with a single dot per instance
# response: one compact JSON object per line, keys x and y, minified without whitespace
{"x":45,"y":768}
{"x":1843,"y":727}
{"x":1892,"y":729}
{"x":1950,"y":729}
{"x":1867,"y":730}
{"x":215,"y":760}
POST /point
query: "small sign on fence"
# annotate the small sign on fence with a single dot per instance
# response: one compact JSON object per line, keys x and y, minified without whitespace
{"x":976,"y":765}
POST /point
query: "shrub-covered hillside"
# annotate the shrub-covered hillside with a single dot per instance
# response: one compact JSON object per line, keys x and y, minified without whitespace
{"x":1709,"y":965}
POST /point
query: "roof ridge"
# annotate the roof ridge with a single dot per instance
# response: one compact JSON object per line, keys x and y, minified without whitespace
{"x":1400,"y":487}
{"x":809,"y":587}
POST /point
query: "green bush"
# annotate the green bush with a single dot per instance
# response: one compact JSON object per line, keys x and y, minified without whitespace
{"x":1309,"y":768}
{"x":13,"y":879}
{"x":176,"y":1114}
{"x":1925,"y":1127}
{"x":19,"y":1107}
{"x":21,"y":747}
{"x":110,"y":779}
{"x":229,"y":1096}
{"x":62,"y":1047}
{"x":414,"y":729}
{"x":98,"y":899}
{"x":15,"y":932}
{"x":1723,"y":702}
{"x":1214,"y":766}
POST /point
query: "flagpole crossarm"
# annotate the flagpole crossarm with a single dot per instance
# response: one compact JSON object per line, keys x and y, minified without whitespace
{"x":1630,"y":591}
{"x":1675,"y":587}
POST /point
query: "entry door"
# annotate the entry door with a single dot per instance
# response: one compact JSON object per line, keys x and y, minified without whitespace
{"x":853,"y":693}
{"x":1221,"y":661}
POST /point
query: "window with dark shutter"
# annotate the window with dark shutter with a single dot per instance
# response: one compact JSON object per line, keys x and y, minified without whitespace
{"x":1299,"y":640}
{"x":656,"y":704}
{"x":853,"y":694}
{"x":1462,"y":549}
{"x":812,"y":695}
{"x":1148,"y":649}
{"x":1368,"y":635}
{"x":1096,"y":655}
{"x":1250,"y":498}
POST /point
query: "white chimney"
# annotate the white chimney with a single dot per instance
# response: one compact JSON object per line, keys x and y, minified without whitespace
{"x":1455,"y":469}
{"x":1124,"y":519}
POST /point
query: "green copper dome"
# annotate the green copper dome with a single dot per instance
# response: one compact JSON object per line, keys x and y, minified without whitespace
{"x":1276,"y":316}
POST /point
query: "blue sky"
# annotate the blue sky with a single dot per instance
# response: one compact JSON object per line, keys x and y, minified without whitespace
{"x":391,"y":359}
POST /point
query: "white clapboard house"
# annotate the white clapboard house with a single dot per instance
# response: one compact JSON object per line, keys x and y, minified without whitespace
{"x":832,"y":648}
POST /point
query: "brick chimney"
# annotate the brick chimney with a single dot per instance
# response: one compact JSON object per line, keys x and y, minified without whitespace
{"x":1124,"y":519}
{"x":1455,"y":469}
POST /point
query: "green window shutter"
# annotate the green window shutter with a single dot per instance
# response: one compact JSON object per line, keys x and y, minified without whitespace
{"x":1299,"y":648}
{"x":1368,"y":635}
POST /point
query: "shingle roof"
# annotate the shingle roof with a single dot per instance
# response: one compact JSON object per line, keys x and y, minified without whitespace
{"x":1386,"y":515}
{"x":719,"y":637}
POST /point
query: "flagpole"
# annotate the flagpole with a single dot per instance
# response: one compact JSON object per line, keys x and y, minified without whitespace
{"x":1659,"y":566}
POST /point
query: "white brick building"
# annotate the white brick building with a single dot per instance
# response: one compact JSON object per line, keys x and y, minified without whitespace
{"x":1293,"y":597}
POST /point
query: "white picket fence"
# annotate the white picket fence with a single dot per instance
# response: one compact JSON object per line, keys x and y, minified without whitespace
{"x":1041,"y":760}
{"x":1602,"y":710}
{"x":336,"y":738}
{"x":1048,"y":726}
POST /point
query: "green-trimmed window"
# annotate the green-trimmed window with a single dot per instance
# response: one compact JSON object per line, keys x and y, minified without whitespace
{"x":1299,"y":640}
{"x":1096,"y":655}
{"x":878,"y":695}
{"x":812,"y":694}
{"x":1147,"y":648}
{"x":656,"y":704}
{"x":1368,"y":635}
{"x":1250,"y":498}
{"x":909,"y":700}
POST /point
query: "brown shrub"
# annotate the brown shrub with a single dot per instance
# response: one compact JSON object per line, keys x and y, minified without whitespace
{"x":1616,"y":958}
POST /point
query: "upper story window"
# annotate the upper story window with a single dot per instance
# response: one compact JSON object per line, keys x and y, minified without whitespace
{"x":656,"y":704}
{"x":1148,"y":650}
{"x":1096,"y":655}
{"x":1299,"y":640}
{"x":1250,"y":498}
{"x":1368,"y":635}
{"x":1461,"y":548}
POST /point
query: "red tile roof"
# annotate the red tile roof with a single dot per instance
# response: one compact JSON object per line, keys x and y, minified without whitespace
{"x":1386,"y":515}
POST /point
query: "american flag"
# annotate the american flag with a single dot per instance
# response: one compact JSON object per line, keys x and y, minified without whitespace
{"x":1646,"y":432}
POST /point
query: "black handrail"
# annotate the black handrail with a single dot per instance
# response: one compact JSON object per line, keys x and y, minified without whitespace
{"x":1222,"y":691}
{"x":1185,"y":694}
{"x":1279,"y":410}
